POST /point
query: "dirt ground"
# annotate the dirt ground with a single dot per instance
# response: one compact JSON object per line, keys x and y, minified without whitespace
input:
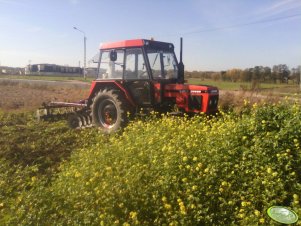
{"x":29,"y":95}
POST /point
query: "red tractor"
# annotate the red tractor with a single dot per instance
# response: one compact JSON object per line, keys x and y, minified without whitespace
{"x":134,"y":75}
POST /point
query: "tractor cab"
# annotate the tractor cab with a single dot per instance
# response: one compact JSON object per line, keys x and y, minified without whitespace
{"x":138,"y":60}
{"x":138,"y":65}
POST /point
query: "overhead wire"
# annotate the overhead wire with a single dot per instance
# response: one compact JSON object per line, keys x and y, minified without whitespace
{"x":238,"y":25}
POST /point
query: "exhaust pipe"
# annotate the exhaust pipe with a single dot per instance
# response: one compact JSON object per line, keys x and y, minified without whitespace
{"x":181,"y":65}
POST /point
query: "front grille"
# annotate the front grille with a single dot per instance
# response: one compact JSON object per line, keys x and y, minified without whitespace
{"x":195,"y":102}
{"x":213,"y":101}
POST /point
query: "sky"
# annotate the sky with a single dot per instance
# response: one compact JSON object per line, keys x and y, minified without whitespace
{"x":217,"y":34}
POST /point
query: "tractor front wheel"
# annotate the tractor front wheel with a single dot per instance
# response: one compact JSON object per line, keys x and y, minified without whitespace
{"x":108,"y":111}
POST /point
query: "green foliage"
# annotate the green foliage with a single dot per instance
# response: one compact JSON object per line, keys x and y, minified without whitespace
{"x":31,"y":152}
{"x":170,"y":171}
{"x":228,"y":86}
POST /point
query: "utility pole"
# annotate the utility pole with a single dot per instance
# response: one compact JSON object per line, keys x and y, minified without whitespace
{"x":300,"y":76}
{"x":85,"y":40}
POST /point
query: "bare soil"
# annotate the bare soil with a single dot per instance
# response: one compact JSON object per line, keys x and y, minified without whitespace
{"x":27,"y":95}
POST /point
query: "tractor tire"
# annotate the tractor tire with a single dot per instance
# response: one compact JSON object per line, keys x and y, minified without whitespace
{"x":109,"y":111}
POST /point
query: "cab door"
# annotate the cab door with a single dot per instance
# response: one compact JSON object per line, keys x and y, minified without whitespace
{"x":136,"y":77}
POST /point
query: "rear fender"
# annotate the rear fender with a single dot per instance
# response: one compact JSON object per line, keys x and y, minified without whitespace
{"x":98,"y":85}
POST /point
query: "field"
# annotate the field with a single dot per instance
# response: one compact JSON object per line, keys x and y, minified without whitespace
{"x":27,"y":95}
{"x":20,"y":93}
{"x":161,"y":170}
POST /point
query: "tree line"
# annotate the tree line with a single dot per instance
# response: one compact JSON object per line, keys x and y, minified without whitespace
{"x":278,"y":73}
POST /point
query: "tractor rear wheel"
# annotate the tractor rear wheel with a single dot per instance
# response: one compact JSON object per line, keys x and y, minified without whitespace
{"x":109,"y":111}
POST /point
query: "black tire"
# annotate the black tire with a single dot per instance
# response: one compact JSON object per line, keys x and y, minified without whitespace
{"x":109,"y":111}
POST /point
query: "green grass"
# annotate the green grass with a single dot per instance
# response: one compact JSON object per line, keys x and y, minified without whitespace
{"x":281,"y":89}
{"x":226,"y":85}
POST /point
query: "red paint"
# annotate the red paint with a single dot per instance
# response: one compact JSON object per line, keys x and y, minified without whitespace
{"x":123,"y":44}
{"x":181,"y":93}
{"x":106,"y":83}
{"x":92,"y":88}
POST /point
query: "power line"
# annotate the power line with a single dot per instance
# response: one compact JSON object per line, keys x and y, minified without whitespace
{"x":240,"y":25}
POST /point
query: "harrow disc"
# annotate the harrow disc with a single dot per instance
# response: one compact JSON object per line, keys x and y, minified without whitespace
{"x":74,"y":121}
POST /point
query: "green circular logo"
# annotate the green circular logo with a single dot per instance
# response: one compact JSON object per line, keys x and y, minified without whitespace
{"x":282,"y":215}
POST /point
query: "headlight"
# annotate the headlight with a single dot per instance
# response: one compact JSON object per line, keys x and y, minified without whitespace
{"x":197,"y":91}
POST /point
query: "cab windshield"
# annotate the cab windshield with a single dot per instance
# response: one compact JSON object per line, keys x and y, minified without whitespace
{"x":163,"y":64}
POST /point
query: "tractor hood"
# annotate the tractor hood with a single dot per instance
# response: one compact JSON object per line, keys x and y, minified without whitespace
{"x":193,"y":89}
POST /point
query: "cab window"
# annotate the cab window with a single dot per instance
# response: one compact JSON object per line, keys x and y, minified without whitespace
{"x":135,"y":67}
{"x":111,"y":69}
{"x":163,"y":64}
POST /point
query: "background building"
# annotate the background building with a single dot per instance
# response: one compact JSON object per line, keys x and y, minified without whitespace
{"x":52,"y":69}
{"x":11,"y":70}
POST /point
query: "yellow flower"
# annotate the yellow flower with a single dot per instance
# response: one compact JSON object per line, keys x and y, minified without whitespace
{"x":133,"y":215}
{"x":296,"y":197}
{"x":261,"y":220}
{"x":33,"y":179}
{"x":182,"y":207}
{"x":167,"y":206}
{"x":77,"y":174}
{"x":224,"y":183}
{"x":257,"y":213}
{"x":241,"y":215}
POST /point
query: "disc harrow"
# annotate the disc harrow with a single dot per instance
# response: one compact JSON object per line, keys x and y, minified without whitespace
{"x":78,"y":115}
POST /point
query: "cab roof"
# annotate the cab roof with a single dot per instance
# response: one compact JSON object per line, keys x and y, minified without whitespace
{"x":136,"y":43}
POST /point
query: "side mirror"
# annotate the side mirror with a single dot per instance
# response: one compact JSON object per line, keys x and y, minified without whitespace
{"x":113,"y":55}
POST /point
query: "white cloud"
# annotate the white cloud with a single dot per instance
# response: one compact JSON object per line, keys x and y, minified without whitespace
{"x":280,"y":7}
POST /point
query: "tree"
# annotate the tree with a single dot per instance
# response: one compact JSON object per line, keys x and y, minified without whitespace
{"x":233,"y":74}
{"x":216,"y":76}
{"x":246,"y":75}
{"x":295,"y":74}
{"x":256,"y":73}
{"x":267,"y":74}
{"x":281,"y":72}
